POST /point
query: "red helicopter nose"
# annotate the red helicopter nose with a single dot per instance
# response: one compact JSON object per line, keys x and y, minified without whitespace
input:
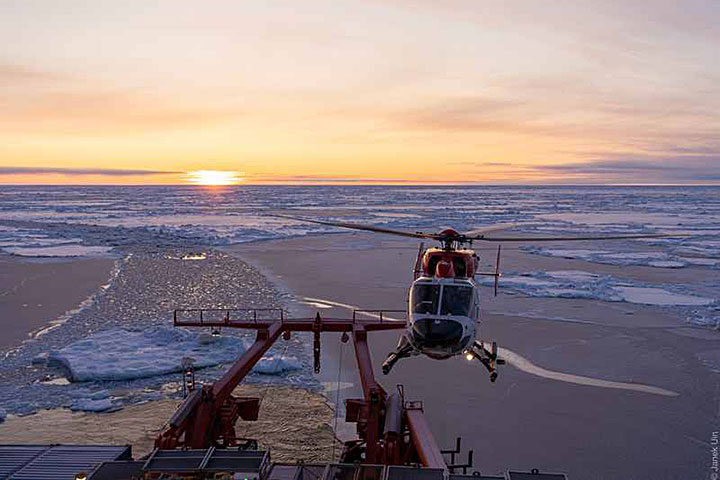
{"x":445,"y":269}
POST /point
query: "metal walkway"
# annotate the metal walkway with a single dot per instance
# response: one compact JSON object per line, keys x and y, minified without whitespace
{"x":55,"y":462}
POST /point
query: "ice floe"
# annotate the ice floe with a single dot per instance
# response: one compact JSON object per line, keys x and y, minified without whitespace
{"x":60,"y":251}
{"x":90,"y":405}
{"x":651,"y":259}
{"x":120,"y":354}
{"x":707,"y":317}
{"x":580,"y":284}
{"x":710,"y":262}
{"x":698,"y":250}
{"x":276,"y":365}
{"x":99,"y":401}
{"x":658,"y":296}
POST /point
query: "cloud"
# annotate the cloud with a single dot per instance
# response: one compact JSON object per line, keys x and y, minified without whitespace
{"x":18,"y":74}
{"x":105,"y":110}
{"x":477,"y":163}
{"x":463,"y":113}
{"x":83,"y":105}
{"x":80,"y":171}
{"x":566,"y":114}
{"x":627,"y":168}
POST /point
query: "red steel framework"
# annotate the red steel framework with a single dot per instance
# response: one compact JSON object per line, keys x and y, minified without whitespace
{"x":391,"y":430}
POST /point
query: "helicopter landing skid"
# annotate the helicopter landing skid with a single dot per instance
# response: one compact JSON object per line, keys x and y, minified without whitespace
{"x":489,"y":358}
{"x":404,"y":350}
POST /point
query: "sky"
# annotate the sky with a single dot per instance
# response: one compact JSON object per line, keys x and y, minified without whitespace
{"x":392,"y":91}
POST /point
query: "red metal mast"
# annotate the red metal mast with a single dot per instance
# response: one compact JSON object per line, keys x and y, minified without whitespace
{"x":390,"y":430}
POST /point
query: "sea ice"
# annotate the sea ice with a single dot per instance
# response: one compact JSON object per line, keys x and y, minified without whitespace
{"x":568,"y":293}
{"x":100,"y":395}
{"x":667,"y":264}
{"x":525,"y":281}
{"x":701,"y":261}
{"x":578,"y":254}
{"x":276,"y":366}
{"x":702,"y":251}
{"x":706,"y":319}
{"x":59,"y":251}
{"x":120,"y":354}
{"x":90,"y":405}
{"x":579,"y":284}
{"x":573,"y":275}
{"x":658,"y":296}
{"x":601,"y":219}
{"x":40,"y":358}
{"x":651,"y":259}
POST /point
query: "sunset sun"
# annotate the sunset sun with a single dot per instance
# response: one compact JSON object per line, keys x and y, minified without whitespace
{"x":214,"y":177}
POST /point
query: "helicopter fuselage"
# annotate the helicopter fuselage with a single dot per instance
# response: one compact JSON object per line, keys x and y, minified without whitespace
{"x":442,"y":315}
{"x":443,"y":302}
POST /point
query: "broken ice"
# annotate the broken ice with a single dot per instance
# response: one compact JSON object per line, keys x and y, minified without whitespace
{"x":120,"y":354}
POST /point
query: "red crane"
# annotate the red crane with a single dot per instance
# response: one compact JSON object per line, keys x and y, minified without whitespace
{"x":391,"y":430}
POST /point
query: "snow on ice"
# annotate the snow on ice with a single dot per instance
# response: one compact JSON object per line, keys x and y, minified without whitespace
{"x":60,"y":251}
{"x":90,"y":405}
{"x":658,"y":296}
{"x":651,"y":259}
{"x":579,"y":284}
{"x":120,"y":354}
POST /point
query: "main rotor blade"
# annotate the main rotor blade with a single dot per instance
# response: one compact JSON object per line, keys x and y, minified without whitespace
{"x":490,"y":228}
{"x":564,"y":239}
{"x":359,"y":226}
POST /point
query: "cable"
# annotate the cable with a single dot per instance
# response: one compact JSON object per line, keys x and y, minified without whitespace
{"x":277,"y":361}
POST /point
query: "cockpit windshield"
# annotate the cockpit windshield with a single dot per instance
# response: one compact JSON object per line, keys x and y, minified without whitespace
{"x":425,"y":298}
{"x":456,"y":300}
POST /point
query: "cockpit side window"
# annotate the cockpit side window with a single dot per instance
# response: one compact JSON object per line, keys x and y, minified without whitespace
{"x":459,"y":265}
{"x":457,"y":300}
{"x":425,"y":298}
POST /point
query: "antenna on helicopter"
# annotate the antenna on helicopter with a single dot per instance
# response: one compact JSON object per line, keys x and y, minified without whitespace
{"x":496,"y":273}
{"x":497,"y":270}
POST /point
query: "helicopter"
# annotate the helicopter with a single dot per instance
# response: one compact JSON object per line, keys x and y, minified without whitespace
{"x":444,"y":298}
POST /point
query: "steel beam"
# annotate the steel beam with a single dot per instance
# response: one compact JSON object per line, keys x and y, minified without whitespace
{"x":223,"y":387}
{"x":300,"y":324}
{"x":204,"y":429}
{"x":422,"y":437}
{"x":374,"y":396}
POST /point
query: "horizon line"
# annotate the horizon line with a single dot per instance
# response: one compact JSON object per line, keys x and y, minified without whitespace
{"x":369,"y":184}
